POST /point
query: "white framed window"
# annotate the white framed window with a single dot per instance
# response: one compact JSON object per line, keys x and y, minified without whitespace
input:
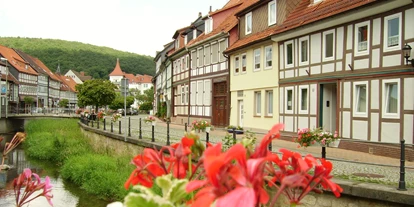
{"x":328,"y":45}
{"x":222,"y":48}
{"x":186,"y":94}
{"x":200,"y":91}
{"x":248,"y":23}
{"x":214,"y":52}
{"x":187,"y":61}
{"x":208,"y":26}
{"x":207,"y":92}
{"x":193,"y":59}
{"x":362,"y":38}
{"x":361,"y":99}
{"x":391,"y":98}
{"x":257,"y":103}
{"x":183,"y":64}
{"x":392,"y":32}
{"x":304,"y":50}
{"x":185,"y":40}
{"x":289,"y":100}
{"x":289,"y":54}
{"x":207,"y":55}
{"x":193,"y":93}
{"x":256,"y":61}
{"x":194,"y":33}
{"x":236,"y":64}
{"x":272,"y":12}
{"x":182,"y":94}
{"x":269,"y":103}
{"x":177,"y":43}
{"x":303,"y":99}
{"x":268,"y":57}
{"x":200,"y":57}
{"x":244,"y":62}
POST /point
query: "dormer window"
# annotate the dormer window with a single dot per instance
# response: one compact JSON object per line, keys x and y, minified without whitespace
{"x":185,"y":39}
{"x":208,"y":25}
{"x":272,"y":12}
{"x":177,"y":43}
{"x":248,"y":23}
{"x":194,"y":33}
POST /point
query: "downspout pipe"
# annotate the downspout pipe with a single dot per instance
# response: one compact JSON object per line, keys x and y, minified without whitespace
{"x":228,"y":81}
{"x":189,"y":85}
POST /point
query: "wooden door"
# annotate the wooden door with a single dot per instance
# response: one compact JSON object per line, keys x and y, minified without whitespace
{"x":220,"y":104}
{"x":220,"y":111}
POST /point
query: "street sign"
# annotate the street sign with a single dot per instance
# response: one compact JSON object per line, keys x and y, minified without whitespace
{"x":124,"y":87}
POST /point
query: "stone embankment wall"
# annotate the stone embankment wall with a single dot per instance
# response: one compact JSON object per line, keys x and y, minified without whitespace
{"x":355,"y":194}
{"x":329,"y":200}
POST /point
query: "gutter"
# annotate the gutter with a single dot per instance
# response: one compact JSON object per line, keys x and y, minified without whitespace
{"x":342,"y":18}
{"x":207,"y":39}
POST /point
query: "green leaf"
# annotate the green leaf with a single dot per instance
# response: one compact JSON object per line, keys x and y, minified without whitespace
{"x":142,"y":200}
{"x":177,"y":191}
{"x":164,"y":182}
{"x":143,"y":190}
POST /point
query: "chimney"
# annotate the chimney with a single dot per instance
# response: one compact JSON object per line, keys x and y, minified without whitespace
{"x":211,"y":8}
{"x":82,"y":73}
{"x":199,"y":14}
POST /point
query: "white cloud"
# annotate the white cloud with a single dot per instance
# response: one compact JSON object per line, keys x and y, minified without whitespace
{"x":137,"y":26}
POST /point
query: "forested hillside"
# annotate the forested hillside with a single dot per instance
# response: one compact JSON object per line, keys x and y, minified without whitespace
{"x":94,"y":60}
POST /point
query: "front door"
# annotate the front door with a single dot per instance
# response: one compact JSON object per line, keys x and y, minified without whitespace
{"x":327,"y":107}
{"x":241,"y":113}
{"x":219,"y":115}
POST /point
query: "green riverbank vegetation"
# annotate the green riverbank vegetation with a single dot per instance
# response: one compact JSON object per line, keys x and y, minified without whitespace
{"x":61,"y":142}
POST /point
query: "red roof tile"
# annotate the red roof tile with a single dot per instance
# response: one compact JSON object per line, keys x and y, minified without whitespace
{"x":226,"y":25}
{"x":10,"y":77}
{"x":117,"y":70}
{"x":303,"y":14}
{"x":68,"y":84}
{"x":44,"y":67}
{"x":16,"y":61}
{"x":229,"y":5}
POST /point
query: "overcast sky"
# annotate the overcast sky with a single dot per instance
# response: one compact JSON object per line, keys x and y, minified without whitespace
{"x":138,"y":26}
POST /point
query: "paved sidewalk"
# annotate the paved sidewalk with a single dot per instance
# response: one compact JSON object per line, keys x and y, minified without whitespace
{"x":347,"y":164}
{"x":335,"y":153}
{"x":351,"y":165}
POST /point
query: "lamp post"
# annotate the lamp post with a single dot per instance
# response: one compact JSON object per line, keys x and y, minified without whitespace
{"x":407,"y":53}
{"x":7,"y":85}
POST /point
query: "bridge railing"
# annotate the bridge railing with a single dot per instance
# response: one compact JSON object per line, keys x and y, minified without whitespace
{"x":41,"y":110}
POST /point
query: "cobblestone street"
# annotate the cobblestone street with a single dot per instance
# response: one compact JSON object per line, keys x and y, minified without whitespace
{"x":350,"y":165}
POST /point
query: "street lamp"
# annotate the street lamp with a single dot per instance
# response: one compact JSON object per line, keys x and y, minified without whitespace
{"x":407,"y":53}
{"x":7,"y":85}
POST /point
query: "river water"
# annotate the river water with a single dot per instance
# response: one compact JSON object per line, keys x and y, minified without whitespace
{"x":65,"y":194}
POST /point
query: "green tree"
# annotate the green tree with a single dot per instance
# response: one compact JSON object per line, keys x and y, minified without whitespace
{"x":28,"y":101}
{"x":146,"y":97}
{"x":118,"y":103}
{"x":96,"y":92}
{"x":63,"y":103}
{"x":146,"y":106}
{"x":94,"y":60}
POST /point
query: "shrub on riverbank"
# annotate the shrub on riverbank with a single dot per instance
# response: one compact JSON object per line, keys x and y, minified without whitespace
{"x":100,"y":174}
{"x":60,"y":141}
{"x":55,"y":140}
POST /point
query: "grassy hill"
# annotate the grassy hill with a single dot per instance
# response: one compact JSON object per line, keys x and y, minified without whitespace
{"x":94,"y":60}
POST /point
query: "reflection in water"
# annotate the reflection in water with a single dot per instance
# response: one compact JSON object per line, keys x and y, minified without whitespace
{"x":65,"y":194}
